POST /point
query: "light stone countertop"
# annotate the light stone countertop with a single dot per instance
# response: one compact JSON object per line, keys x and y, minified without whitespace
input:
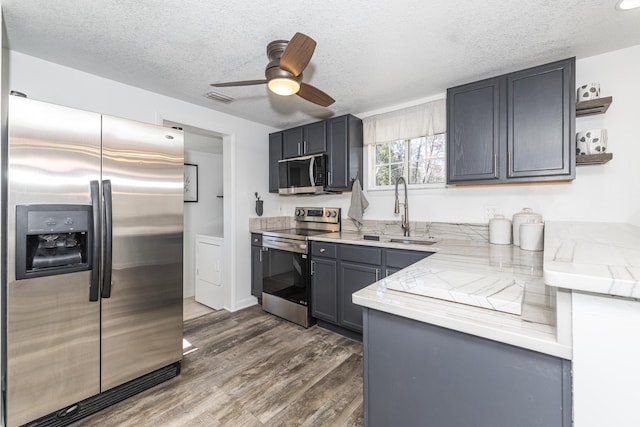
{"x":534,"y":329}
{"x":602,"y":258}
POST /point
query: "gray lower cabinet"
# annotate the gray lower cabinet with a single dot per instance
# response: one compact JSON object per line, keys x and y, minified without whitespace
{"x":354,"y":277}
{"x":256,"y":266}
{"x":324,"y":289}
{"x":339,"y":270}
{"x":417,"y":374}
{"x":512,"y":128}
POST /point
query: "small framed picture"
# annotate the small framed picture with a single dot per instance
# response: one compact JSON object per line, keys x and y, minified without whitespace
{"x":190,"y":182}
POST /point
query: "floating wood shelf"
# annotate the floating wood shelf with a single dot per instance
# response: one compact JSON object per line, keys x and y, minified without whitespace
{"x":593,"y":106}
{"x":593,"y":159}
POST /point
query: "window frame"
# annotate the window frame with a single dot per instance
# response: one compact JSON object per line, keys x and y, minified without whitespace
{"x":406,"y":164}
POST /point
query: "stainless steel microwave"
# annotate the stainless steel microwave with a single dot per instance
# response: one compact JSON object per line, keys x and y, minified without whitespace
{"x":302,"y":175}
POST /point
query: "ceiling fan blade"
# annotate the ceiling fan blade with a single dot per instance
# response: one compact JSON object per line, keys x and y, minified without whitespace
{"x":315,"y":95}
{"x":297,"y":54}
{"x":240,"y":83}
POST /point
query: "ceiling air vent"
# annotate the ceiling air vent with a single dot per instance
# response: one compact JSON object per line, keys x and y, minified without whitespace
{"x":217,"y":96}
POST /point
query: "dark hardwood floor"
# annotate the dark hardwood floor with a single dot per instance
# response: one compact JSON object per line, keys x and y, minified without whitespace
{"x":252,"y":369}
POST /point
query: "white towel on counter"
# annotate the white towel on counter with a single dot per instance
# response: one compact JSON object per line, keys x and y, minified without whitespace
{"x":358,"y":204}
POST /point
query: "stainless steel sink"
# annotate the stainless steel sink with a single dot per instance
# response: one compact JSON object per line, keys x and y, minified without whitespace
{"x":413,"y":241}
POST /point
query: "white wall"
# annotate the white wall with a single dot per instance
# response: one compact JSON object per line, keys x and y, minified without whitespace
{"x":245,"y":144}
{"x":206,"y":216}
{"x":3,"y":132}
{"x":599,"y":193}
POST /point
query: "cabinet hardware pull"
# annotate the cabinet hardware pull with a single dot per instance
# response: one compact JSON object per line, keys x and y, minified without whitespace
{"x":377,"y":274}
{"x":304,"y":150}
{"x":495,"y":165}
{"x":510,"y":170}
{"x":322,"y":250}
{"x":261,"y":256}
{"x":313,"y":267}
{"x":255,"y":240}
{"x":386,"y":272}
{"x":330,"y":180}
{"x":298,"y":148}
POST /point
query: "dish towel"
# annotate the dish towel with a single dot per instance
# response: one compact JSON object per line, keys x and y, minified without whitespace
{"x":358,"y":204}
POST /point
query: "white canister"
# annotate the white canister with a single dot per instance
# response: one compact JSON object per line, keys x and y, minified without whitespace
{"x":532,"y":236}
{"x":525,"y":215}
{"x":500,"y":230}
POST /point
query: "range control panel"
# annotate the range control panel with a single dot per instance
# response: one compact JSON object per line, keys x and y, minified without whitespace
{"x":322,"y":215}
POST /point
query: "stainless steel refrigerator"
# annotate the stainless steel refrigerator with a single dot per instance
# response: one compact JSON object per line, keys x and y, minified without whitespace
{"x":92,"y":301}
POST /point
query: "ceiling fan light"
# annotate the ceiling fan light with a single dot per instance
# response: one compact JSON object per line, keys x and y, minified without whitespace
{"x":627,"y":4}
{"x":284,"y":86}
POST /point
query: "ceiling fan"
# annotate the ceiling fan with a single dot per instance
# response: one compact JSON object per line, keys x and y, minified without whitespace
{"x":287,"y":60}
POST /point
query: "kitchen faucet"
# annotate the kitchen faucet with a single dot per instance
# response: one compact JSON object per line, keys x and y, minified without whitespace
{"x":405,"y":217}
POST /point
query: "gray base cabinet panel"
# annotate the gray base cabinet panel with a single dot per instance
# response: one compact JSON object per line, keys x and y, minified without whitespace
{"x":256,"y":266}
{"x":324,"y":289}
{"x":354,"y":277}
{"x":416,"y":374}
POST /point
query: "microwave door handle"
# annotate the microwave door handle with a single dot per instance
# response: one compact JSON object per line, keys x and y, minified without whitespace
{"x":312,"y":178}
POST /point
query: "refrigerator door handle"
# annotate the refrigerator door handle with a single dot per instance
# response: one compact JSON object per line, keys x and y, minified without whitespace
{"x":94,"y":284}
{"x":108,"y":239}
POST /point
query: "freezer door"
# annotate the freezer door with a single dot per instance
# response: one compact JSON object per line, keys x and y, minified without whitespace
{"x":142,"y":312}
{"x":52,"y":330}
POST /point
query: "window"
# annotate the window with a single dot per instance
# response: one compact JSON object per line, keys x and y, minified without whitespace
{"x":421,"y":161}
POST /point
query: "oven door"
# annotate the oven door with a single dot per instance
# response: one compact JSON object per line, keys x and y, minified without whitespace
{"x":285,"y":285}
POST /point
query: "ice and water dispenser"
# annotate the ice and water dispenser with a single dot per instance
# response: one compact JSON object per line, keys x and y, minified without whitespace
{"x":52,"y":239}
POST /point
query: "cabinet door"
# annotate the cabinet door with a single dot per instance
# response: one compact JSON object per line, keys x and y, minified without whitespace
{"x":354,"y":277}
{"x":474,"y":131}
{"x":275,"y":154}
{"x":338,"y":153}
{"x":397,"y":259}
{"x":209,"y":275}
{"x":292,"y":143}
{"x":540,"y":121}
{"x":415,"y":371}
{"x":314,"y":138}
{"x":324,"y":289}
{"x":256,"y":272}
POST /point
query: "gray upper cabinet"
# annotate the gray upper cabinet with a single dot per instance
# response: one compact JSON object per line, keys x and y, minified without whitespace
{"x":516,"y":127}
{"x":344,"y":149}
{"x":473,"y":131}
{"x":340,"y":138}
{"x":275,"y":154}
{"x":304,"y":140}
{"x":541,"y":121}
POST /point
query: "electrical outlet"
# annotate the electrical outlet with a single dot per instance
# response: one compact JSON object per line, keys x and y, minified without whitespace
{"x":490,"y":212}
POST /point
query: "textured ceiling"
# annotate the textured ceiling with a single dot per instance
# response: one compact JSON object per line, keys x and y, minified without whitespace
{"x":370,"y":55}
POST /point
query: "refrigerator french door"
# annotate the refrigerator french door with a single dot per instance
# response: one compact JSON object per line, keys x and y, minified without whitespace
{"x":93,"y":292}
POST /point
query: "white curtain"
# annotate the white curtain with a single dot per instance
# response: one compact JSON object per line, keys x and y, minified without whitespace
{"x":420,"y":120}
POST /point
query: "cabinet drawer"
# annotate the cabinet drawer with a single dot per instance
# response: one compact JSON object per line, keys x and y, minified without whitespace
{"x":256,"y":239}
{"x":398,"y":258}
{"x":363,"y":254}
{"x":323,"y":249}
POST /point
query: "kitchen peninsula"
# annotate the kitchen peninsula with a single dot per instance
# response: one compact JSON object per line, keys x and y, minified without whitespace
{"x":589,"y":324}
{"x":456,"y":364}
